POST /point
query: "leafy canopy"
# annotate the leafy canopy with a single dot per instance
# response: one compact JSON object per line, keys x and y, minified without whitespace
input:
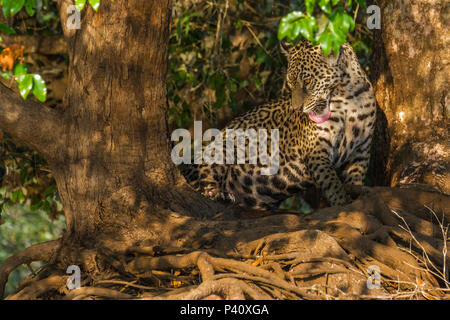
{"x":324,"y":22}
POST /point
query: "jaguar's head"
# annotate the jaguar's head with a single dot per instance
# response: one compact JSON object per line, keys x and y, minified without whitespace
{"x":312,"y":77}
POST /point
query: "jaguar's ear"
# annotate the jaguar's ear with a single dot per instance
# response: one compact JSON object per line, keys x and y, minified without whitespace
{"x":334,"y":58}
{"x":341,"y":55}
{"x":286,"y":47}
{"x":339,"y":60}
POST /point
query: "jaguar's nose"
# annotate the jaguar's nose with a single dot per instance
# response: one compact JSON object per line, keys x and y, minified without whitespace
{"x":314,"y":105}
{"x":298,"y":98}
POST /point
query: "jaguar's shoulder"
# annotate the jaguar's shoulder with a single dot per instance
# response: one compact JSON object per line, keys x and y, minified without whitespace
{"x":270,"y":114}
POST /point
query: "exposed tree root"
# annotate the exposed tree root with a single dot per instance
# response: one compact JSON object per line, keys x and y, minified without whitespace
{"x":35,"y":289}
{"x":84,"y":292}
{"x":325,"y":255}
{"x":227,"y":288}
{"x":37,"y":252}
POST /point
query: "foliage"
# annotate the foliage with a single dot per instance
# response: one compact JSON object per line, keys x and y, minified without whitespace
{"x":12,"y":7}
{"x":43,"y":11}
{"x":13,"y":67}
{"x":324,"y":22}
{"x":27,"y":82}
{"x":26,"y":181}
{"x":11,"y":57}
{"x":95,"y":4}
{"x":30,"y":206}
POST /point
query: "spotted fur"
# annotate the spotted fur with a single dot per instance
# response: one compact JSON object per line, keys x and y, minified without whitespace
{"x":309,"y":152}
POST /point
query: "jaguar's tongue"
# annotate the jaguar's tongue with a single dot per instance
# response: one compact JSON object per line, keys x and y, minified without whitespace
{"x":319,"y":118}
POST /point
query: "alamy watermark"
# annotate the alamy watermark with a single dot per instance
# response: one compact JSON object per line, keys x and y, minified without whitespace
{"x":74,"y":281}
{"x":374,"y":280}
{"x":73,"y":18}
{"x":374,"y":21}
{"x":250,"y":146}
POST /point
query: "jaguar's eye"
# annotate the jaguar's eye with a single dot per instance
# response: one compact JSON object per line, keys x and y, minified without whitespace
{"x":307,"y":81}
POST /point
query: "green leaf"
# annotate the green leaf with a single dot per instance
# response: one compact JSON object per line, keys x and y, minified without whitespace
{"x":308,"y":27}
{"x":95,"y":4}
{"x":336,"y":33}
{"x":46,"y":206}
{"x":336,"y":47}
{"x":6,"y":75}
{"x":325,"y":42}
{"x":294,"y":30}
{"x":50,"y":190}
{"x":244,"y":84}
{"x":2,"y":192}
{"x":16,"y":6}
{"x":20,"y":69}
{"x":30,"y":7}
{"x":283,"y":30}
{"x":325,"y":6}
{"x":232,"y":86}
{"x":21,"y":197}
{"x":293,"y":16}
{"x":6,"y":29}
{"x":348,"y":22}
{"x":80,"y":4}
{"x":310,"y":4}
{"x":287,"y":23}
{"x":17,"y":196}
{"x":25,"y":84}
{"x":14,"y":196}
{"x":39,"y":88}
{"x":6,"y":7}
{"x":36,"y":206}
{"x":23,"y":176}
{"x":258,"y":83}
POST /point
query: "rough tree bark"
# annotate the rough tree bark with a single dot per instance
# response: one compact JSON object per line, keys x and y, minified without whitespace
{"x":410,"y":77}
{"x":132,"y":220}
{"x":109,"y":148}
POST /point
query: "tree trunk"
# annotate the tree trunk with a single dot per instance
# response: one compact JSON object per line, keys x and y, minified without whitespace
{"x":410,"y":78}
{"x":114,"y":173}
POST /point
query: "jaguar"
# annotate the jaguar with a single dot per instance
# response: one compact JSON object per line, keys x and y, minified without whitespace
{"x":325,"y":123}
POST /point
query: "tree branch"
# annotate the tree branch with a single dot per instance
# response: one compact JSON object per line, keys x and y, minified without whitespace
{"x":45,"y":45}
{"x":30,"y":123}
